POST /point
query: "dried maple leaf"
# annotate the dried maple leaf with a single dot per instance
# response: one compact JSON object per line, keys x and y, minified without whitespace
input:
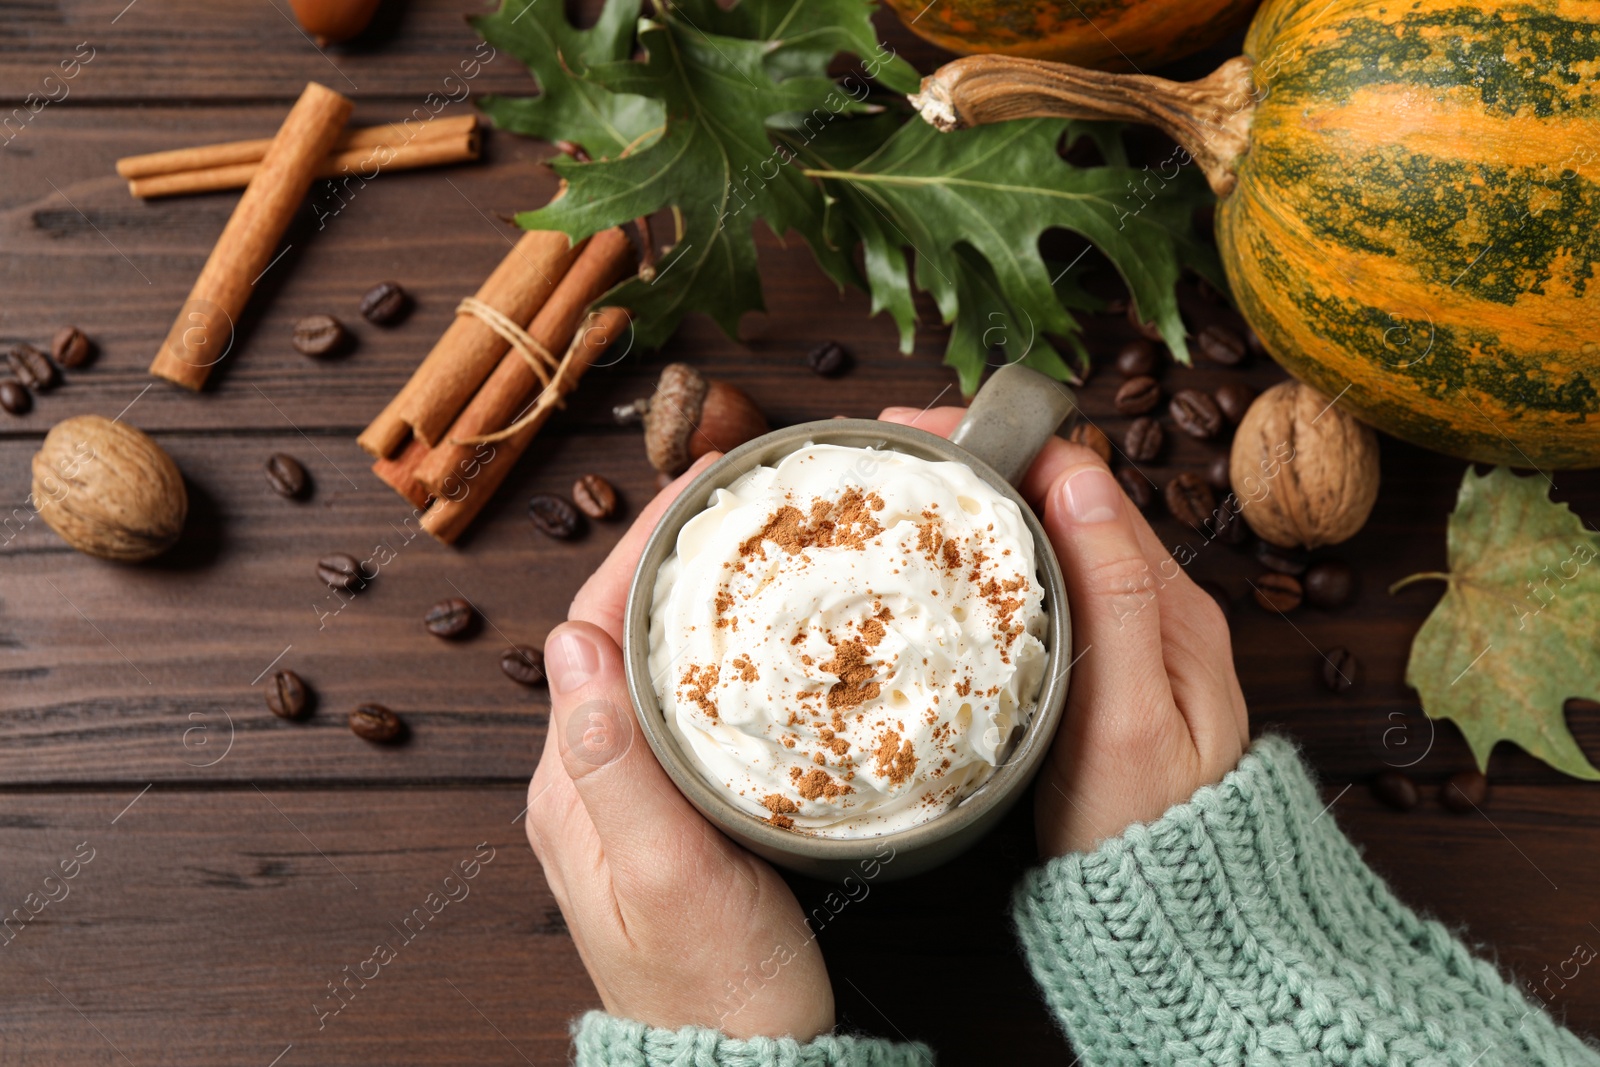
{"x":1515,"y":635}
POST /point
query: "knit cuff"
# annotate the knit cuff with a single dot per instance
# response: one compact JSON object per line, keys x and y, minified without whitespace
{"x":603,"y":1040}
{"x":1243,"y":927}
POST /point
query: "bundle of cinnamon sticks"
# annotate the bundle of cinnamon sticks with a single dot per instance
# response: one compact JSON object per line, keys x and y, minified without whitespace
{"x":515,"y":349}
{"x":361,"y":153}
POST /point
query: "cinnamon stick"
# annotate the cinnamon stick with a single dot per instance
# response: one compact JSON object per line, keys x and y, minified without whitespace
{"x":365,"y":161}
{"x":203,"y":157}
{"x":513,"y":381}
{"x":203,"y":331}
{"x":469,"y":349}
{"x":400,"y":473}
{"x":463,"y":494}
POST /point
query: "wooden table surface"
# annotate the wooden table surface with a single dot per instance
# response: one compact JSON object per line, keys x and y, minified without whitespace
{"x":238,"y":864}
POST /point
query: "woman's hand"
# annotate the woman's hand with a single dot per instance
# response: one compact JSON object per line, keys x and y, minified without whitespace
{"x":676,"y":924}
{"x":1155,"y":710}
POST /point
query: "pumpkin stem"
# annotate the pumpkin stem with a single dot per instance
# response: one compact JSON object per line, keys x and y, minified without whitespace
{"x":1423,"y":576}
{"x":1210,"y":118}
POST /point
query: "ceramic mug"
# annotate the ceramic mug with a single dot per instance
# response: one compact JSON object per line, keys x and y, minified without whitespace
{"x":1009,"y":421}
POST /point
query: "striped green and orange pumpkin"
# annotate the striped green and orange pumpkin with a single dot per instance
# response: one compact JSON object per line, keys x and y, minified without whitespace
{"x":1410,"y":205}
{"x":1104,"y":34}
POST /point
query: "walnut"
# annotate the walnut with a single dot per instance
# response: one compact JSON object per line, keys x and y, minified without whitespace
{"x":108,"y":489}
{"x":1306,"y":473}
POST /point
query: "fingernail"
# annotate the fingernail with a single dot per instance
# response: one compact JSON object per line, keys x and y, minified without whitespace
{"x":570,"y":659}
{"x":595,"y":734}
{"x":1092,"y":496}
{"x":890,"y":414}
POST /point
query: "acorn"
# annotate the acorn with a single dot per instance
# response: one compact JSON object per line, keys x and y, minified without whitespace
{"x":690,"y":415}
{"x":333,"y":21}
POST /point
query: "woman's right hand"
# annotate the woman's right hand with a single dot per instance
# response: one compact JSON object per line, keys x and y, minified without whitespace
{"x":1155,"y":710}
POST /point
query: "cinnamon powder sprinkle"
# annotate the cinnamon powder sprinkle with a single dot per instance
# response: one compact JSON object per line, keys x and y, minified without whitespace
{"x":817,"y":784}
{"x":855,"y":685}
{"x":700,"y":681}
{"x":897,"y":761}
{"x":746,"y":669}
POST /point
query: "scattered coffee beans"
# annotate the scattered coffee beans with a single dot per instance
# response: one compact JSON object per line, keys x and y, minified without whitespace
{"x":554,"y":516}
{"x":1137,"y":395}
{"x":448,"y":618}
{"x":1281,"y":559}
{"x":1196,"y":414}
{"x":1143,"y":440}
{"x":374,"y":722}
{"x":1221,"y":345}
{"x":285,"y":475}
{"x":1137,"y":359}
{"x":70,"y":347}
{"x":286,"y":696}
{"x":1137,"y":486}
{"x":1090,"y":436}
{"x":319,"y":335}
{"x":595,"y":497}
{"x":1215,"y":591}
{"x":1233,"y":400}
{"x":32,"y":367}
{"x":523,"y":665}
{"x":1464,"y":791}
{"x":385,"y":304}
{"x":14,"y":397}
{"x":1395,"y":789}
{"x":1278,"y":592}
{"x":1217,"y":475}
{"x":1340,"y":668}
{"x":1190,"y":499}
{"x":340,"y":571}
{"x":829,"y":360}
{"x":1329,"y":584}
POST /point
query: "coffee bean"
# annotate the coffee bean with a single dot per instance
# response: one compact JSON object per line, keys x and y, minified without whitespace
{"x":1395,"y":789}
{"x":374,"y":722}
{"x":385,"y":304}
{"x":1090,"y":436}
{"x":1190,"y":499}
{"x":1215,"y":591}
{"x":70,"y":347}
{"x":340,"y":571}
{"x":14,"y":397}
{"x":32,"y":367}
{"x":1228,"y":526}
{"x":1464,"y":791}
{"x":523,"y":665}
{"x":1283,"y":560}
{"x":1329,"y":584}
{"x":554,"y":516}
{"x":1195,"y":413}
{"x":1137,"y":486}
{"x":1144,"y":439}
{"x":285,"y":475}
{"x":1147,"y":330}
{"x":1278,"y":592}
{"x":286,"y":696}
{"x":1137,"y":395}
{"x":1340,"y":668}
{"x":1233,"y":400}
{"x":829,"y":359}
{"x":1217,"y":475}
{"x":1137,"y":359}
{"x":319,"y":335}
{"x":595,"y":497}
{"x":448,"y":618}
{"x":1221,"y":345}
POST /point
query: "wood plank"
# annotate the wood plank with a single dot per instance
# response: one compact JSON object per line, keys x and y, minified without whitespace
{"x":206,"y":927}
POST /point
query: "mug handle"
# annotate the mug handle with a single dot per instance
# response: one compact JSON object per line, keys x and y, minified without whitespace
{"x":1013,"y":415}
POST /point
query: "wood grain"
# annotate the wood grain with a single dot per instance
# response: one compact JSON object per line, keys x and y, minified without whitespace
{"x":207,"y":923}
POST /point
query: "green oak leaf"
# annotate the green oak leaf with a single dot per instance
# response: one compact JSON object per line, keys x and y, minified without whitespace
{"x":569,"y":106}
{"x":811,"y":33}
{"x":1516,"y":633}
{"x":715,"y":163}
{"x":994,"y":190}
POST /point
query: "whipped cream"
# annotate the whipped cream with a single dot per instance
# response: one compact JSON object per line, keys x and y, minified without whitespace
{"x":849,"y":641}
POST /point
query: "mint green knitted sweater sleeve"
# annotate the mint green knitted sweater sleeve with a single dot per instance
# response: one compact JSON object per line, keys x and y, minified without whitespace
{"x":603,"y":1040}
{"x":1243,"y":928}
